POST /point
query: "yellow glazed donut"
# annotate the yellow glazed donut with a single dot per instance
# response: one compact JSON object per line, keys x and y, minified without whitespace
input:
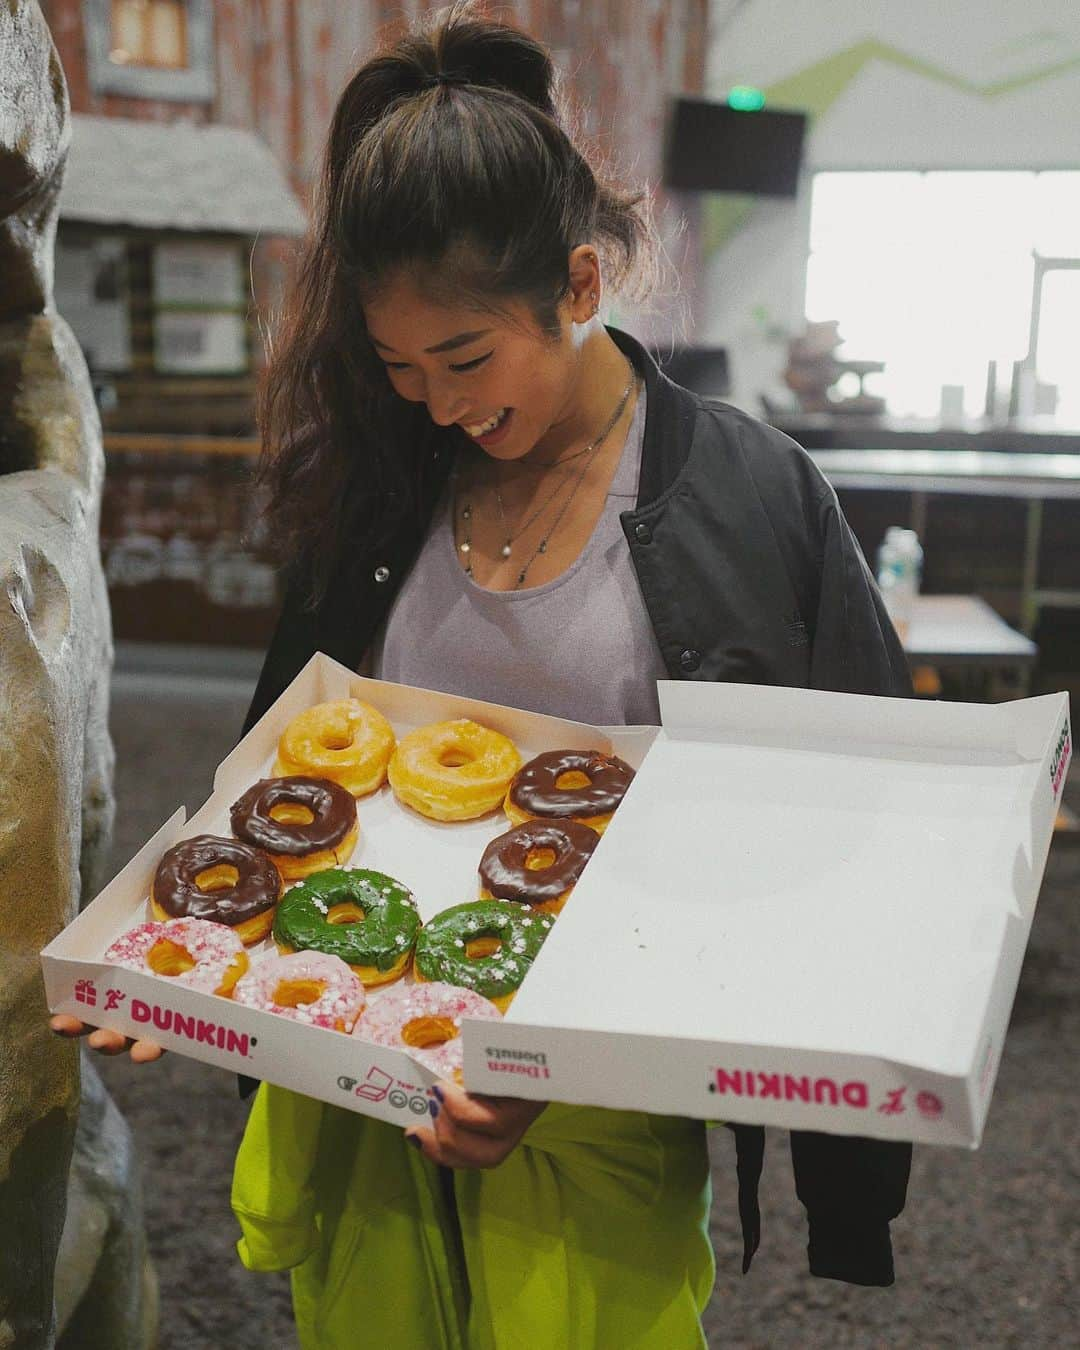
{"x":453,"y":770}
{"x":346,"y":741}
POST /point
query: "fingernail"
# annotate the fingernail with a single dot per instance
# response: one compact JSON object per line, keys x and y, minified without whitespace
{"x":433,"y":1107}
{"x":413,"y":1139}
{"x":438,"y":1091}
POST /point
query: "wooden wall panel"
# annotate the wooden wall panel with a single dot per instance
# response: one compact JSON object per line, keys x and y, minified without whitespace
{"x":273,"y":77}
{"x":235,"y":43}
{"x":332,"y":40}
{"x":317,"y":85}
{"x":64,"y":18}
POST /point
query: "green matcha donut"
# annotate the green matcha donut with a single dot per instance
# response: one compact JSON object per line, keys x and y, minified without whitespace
{"x":441,"y":947}
{"x":366,"y":918}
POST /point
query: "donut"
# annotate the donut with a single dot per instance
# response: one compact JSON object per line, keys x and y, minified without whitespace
{"x":304,"y":824}
{"x":222,"y":880}
{"x":346,"y":741}
{"x":453,"y":770}
{"x":537,"y":863}
{"x":367,"y":919}
{"x":195,"y":953}
{"x":309,"y":987}
{"x":581,"y":785}
{"x":486,"y":945}
{"x":424,"y":1020}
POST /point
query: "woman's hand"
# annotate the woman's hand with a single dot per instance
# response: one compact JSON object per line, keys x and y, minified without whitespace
{"x":469,"y":1130}
{"x":104,"y":1041}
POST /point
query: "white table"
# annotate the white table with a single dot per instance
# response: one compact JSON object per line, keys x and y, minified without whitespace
{"x":962,"y":630}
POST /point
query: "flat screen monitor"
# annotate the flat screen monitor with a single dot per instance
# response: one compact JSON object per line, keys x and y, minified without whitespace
{"x":710,"y":147}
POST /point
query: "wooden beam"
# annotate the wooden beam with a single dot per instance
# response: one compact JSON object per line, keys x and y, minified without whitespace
{"x":160,"y":443}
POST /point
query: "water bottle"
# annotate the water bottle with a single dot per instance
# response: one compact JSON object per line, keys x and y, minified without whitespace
{"x":899,"y":571}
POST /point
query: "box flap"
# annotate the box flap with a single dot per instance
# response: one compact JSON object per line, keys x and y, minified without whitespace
{"x":818,"y":719}
{"x":892,"y":822}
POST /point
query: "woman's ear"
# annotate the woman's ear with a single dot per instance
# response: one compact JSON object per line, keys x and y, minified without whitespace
{"x":586,"y":286}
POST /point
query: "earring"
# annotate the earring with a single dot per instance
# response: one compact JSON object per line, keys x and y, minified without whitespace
{"x":595,"y":302}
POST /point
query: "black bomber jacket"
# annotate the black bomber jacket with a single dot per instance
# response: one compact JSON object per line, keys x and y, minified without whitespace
{"x":749,"y":573}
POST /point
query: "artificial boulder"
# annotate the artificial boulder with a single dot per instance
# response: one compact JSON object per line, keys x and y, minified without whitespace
{"x":55,"y":754}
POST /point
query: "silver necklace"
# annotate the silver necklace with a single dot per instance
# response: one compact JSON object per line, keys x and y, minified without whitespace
{"x":588,"y":454}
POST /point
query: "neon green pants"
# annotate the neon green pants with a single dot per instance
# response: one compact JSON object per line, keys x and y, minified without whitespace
{"x":592,"y":1235}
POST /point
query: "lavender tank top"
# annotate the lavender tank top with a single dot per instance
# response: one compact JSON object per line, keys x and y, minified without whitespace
{"x":580,"y":646}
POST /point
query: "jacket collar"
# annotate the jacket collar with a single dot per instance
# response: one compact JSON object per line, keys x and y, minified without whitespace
{"x":670,"y":416}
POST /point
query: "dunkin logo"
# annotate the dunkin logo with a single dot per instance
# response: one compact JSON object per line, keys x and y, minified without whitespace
{"x":786,"y":1087}
{"x":1060,"y":763}
{"x":196,"y":1029}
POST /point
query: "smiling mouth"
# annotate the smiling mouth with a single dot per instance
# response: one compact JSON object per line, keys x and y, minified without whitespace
{"x":483,"y":428}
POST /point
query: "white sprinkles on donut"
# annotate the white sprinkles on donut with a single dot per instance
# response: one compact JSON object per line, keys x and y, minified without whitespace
{"x":337,"y":1006}
{"x":212,"y":946}
{"x":401,"y":1012}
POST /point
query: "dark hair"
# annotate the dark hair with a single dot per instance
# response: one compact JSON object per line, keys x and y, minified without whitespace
{"x":446,"y":156}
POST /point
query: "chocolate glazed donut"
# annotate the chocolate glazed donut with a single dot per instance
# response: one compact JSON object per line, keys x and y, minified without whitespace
{"x":504,"y":870}
{"x":333,"y":808}
{"x":176,"y":890}
{"x":534,"y":789}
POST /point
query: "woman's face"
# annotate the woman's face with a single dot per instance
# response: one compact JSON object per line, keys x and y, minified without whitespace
{"x":503,"y":381}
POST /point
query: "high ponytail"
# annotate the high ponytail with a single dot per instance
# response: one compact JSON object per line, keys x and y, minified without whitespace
{"x":447,"y":158}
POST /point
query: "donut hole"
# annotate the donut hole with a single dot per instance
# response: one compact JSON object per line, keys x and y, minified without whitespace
{"x":346,"y":912}
{"x":221,"y":877}
{"x":336,"y":740}
{"x":454,"y":756}
{"x":478,"y":947}
{"x":571,"y":779}
{"x":424,"y":1031}
{"x":169,"y":958}
{"x":538,"y":858}
{"x":298,"y":993}
{"x":291,"y":813}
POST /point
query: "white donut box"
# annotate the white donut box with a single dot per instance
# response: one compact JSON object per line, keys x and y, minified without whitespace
{"x":810,"y":911}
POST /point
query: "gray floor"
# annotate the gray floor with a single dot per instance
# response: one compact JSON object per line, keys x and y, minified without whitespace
{"x":988,"y":1251}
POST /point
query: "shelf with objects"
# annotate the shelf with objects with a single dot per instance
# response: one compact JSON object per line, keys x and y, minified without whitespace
{"x":185,"y":556}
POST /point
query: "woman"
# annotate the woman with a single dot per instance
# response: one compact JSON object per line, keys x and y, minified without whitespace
{"x":483,"y":490}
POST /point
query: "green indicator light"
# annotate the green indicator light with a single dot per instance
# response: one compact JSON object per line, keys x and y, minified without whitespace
{"x":745,"y":98}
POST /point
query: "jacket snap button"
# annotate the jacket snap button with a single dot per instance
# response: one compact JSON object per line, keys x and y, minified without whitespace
{"x":643,"y":534}
{"x":382,"y":574}
{"x":690,"y":659}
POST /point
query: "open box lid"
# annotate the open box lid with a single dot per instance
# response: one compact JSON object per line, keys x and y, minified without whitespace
{"x":808,"y":872}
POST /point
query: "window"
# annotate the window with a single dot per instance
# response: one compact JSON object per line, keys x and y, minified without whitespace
{"x":160,"y":49}
{"x":92,"y":294}
{"x":149,"y":33}
{"x":938,"y":274}
{"x":199,"y":308}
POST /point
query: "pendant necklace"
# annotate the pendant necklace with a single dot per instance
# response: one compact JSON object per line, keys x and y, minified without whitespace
{"x":587,"y":455}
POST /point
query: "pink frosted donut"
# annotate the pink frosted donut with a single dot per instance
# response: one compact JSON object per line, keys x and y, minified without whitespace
{"x":310,"y":987}
{"x":424,"y":1020}
{"x":196,"y":953}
